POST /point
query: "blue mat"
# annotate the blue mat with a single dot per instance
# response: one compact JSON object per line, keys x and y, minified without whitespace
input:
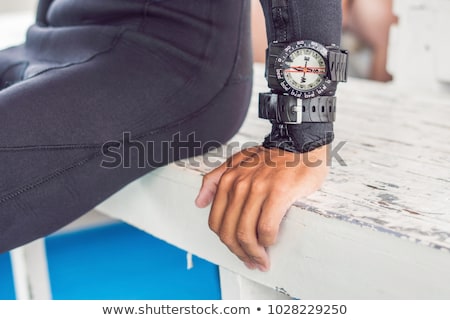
{"x":6,"y":279}
{"x":119,"y":262}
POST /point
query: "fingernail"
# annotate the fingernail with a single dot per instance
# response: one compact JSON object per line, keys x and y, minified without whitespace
{"x":249,"y":265}
{"x":262,"y":268}
{"x":200,"y":202}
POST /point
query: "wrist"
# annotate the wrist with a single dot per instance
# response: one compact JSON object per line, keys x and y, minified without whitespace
{"x":299,"y":138}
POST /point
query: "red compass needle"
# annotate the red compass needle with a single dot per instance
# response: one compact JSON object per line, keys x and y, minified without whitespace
{"x":314,"y":70}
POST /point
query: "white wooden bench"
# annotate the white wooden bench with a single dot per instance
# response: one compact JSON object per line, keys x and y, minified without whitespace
{"x":379,"y":228}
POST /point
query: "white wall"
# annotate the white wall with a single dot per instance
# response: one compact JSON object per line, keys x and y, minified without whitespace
{"x":21,"y":5}
{"x":419,"y":44}
{"x":19,"y":14}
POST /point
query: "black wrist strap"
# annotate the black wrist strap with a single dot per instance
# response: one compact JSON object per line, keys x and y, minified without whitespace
{"x":290,"y":110}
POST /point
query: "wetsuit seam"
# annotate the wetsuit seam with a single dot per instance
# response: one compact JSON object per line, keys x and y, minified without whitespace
{"x":12,"y":66}
{"x":46,"y":179}
{"x":187,"y":118}
{"x":238,"y":46}
{"x":48,"y":147}
{"x":144,"y":16}
{"x":21,"y":190}
{"x":114,"y":43}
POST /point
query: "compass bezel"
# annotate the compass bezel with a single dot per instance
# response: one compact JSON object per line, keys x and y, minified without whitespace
{"x":282,"y":61}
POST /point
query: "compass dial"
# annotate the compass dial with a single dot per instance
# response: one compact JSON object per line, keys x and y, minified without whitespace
{"x":304,"y":70}
{"x":301,"y":69}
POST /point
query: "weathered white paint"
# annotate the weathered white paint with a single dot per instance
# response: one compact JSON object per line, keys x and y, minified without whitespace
{"x":236,"y":287}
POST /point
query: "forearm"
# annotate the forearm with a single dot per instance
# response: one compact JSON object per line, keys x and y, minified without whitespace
{"x":254,"y":189}
{"x":317,"y":20}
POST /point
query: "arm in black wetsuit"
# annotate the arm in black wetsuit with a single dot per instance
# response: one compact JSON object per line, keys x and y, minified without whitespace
{"x":252,"y":192}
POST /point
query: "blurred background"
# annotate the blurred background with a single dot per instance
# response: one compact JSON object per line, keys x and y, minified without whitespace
{"x":366,"y":26}
{"x":22,"y":5}
{"x":387,"y":39}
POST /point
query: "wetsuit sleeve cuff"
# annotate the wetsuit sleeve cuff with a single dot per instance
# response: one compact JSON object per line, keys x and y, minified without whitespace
{"x":299,"y":138}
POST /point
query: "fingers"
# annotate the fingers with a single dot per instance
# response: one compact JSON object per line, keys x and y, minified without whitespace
{"x":272,"y":213}
{"x":211,"y":180}
{"x":235,"y":214}
{"x":241,"y":235}
{"x":246,"y":220}
{"x":220,"y":202}
{"x":231,"y":197}
{"x":223,"y":225}
{"x":236,"y":209}
{"x":247,"y":228}
{"x":251,"y":196}
{"x":226,"y":227}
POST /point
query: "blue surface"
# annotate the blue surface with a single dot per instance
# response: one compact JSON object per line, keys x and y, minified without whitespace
{"x":6,"y":279}
{"x":120,"y":262}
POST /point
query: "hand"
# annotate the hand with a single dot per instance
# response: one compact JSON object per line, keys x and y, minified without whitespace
{"x":251,"y":194}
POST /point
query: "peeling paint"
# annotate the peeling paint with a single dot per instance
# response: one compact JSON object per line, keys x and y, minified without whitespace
{"x":389,"y":198}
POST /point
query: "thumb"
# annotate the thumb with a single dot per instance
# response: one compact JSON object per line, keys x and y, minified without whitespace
{"x":209,"y":187}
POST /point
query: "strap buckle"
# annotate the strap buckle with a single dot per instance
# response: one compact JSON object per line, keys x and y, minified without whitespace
{"x":290,"y":110}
